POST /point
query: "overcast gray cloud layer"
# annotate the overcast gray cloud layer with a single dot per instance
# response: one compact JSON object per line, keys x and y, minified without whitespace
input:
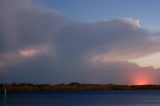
{"x":43,"y":46}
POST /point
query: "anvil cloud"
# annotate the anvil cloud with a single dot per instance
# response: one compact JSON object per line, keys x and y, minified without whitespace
{"x":40,"y":45}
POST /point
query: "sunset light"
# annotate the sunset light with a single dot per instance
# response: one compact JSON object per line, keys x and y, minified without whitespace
{"x":140,"y":82}
{"x":151,"y":60}
{"x":29,"y":52}
{"x":141,"y":79}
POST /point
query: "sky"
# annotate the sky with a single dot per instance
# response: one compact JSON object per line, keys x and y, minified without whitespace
{"x":86,"y":41}
{"x":94,"y":10}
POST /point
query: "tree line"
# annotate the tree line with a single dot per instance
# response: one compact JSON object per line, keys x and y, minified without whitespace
{"x":17,"y":87}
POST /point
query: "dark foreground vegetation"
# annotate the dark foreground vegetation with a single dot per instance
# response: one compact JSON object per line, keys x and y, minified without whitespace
{"x":14,"y":87}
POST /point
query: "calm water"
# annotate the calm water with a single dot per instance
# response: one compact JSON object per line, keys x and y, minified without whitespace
{"x":84,"y":98}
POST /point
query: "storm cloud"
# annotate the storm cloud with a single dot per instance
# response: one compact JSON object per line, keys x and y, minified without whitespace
{"x":40,"y":45}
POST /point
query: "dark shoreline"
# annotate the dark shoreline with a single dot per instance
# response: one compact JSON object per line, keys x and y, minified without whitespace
{"x":28,"y":87}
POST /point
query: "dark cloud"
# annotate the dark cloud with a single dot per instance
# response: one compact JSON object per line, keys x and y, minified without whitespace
{"x":43,"y":46}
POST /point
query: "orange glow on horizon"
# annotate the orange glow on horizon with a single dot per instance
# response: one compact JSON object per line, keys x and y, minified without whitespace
{"x":142,"y":79}
{"x":140,"y":82}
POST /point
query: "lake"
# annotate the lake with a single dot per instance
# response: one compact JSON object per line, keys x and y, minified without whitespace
{"x":85,"y":98}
